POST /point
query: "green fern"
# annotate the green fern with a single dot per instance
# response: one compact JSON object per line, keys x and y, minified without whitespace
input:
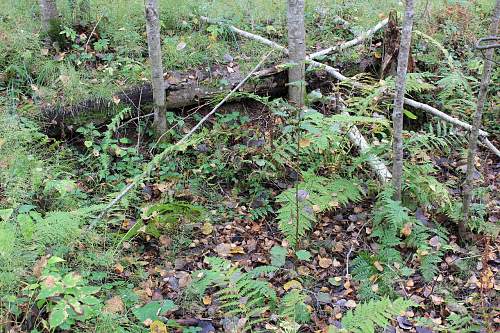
{"x":293,"y":307}
{"x":316,"y":194}
{"x":240,"y":293}
{"x":368,"y":316}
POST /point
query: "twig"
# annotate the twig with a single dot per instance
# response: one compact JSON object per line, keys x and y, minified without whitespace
{"x":158,"y":158}
{"x":356,"y":41}
{"x":90,"y":36}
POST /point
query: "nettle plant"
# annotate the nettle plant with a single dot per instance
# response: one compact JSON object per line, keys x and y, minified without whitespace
{"x":66,"y":297}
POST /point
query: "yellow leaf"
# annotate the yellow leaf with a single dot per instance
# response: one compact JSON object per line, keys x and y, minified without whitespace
{"x":292,"y":284}
{"x":2,"y":141}
{"x":378,"y":266}
{"x":237,"y":250}
{"x":304,"y":143}
{"x":207,"y":300}
{"x":406,"y":231}
{"x":207,"y":228}
{"x":158,"y":327}
{"x":316,"y":208}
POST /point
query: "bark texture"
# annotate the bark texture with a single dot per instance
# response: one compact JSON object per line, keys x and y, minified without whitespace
{"x":474,"y":133}
{"x":297,"y":51}
{"x":48,"y":9}
{"x":154,"y":47}
{"x":397,"y":115}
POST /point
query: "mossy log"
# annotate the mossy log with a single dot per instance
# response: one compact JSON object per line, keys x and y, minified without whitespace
{"x":182,"y":90}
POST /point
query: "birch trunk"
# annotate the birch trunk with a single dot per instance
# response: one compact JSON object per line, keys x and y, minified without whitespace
{"x":397,"y":115}
{"x":154,"y":47}
{"x":297,"y":51}
{"x":48,"y":9}
{"x":474,"y":134}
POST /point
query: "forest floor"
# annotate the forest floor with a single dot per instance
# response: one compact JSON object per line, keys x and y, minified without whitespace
{"x":205,"y":243}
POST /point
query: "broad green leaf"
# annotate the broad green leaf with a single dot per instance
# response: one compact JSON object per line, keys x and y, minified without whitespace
{"x":303,"y":255}
{"x":410,"y":114}
{"x":71,"y":280}
{"x":278,"y":256}
{"x":58,"y":315}
{"x":54,"y":260}
{"x":153,"y":309}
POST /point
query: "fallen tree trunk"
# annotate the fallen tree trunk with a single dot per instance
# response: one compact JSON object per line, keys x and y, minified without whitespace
{"x":182,"y":90}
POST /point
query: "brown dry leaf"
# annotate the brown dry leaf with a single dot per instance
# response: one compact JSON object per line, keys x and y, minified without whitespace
{"x":223,"y":249}
{"x":304,"y":143}
{"x":350,"y":304}
{"x":116,"y":100}
{"x":207,"y":300}
{"x":406,"y":231}
{"x":292,"y":284}
{"x":434,"y":242}
{"x":334,"y":204}
{"x":325,"y":262}
{"x":114,"y":305}
{"x":207,"y":228}
{"x":378,"y":266}
{"x":437,"y":300}
{"x":118,"y":268}
{"x":316,"y":208}
{"x":184,"y":279}
{"x":44,"y":52}
{"x":303,"y":270}
{"x":336,"y":263}
{"x":64,"y":79}
{"x":39,"y":266}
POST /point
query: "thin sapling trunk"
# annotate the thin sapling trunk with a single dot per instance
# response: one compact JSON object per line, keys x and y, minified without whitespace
{"x":155,"y":57}
{"x":397,"y":115}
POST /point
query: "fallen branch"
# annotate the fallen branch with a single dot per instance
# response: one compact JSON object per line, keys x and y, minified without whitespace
{"x":158,"y":158}
{"x":354,"y":134}
{"x":356,"y":41}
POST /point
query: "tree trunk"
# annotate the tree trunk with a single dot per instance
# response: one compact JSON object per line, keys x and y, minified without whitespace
{"x":397,"y":115}
{"x":473,"y":137}
{"x":154,"y":46}
{"x":50,"y":18}
{"x":297,"y":52}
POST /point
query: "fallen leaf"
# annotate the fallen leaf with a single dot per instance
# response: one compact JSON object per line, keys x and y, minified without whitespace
{"x":437,"y":300}
{"x":116,"y":100}
{"x":223,"y":249}
{"x":118,"y":268}
{"x":181,"y":46}
{"x":406,"y":231}
{"x":207,"y":228}
{"x":114,"y":305}
{"x":304,"y":143}
{"x":350,"y":304}
{"x":378,"y":266}
{"x":325,"y":262}
{"x":207,"y":300}
{"x":292,"y":284}
{"x":237,"y":250}
{"x":434,"y":242}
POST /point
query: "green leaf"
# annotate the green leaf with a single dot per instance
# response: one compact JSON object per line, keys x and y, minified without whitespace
{"x":410,"y":114}
{"x":5,"y":214}
{"x":89,"y":300}
{"x":278,"y":256}
{"x":71,"y":280}
{"x":303,"y":255}
{"x":260,"y":162}
{"x":58,"y":315}
{"x":54,"y":260}
{"x":153,"y":309}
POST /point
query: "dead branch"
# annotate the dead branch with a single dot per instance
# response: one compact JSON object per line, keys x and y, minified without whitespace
{"x":356,"y":41}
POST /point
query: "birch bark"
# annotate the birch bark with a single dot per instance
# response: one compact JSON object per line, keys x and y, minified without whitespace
{"x":297,"y":51}
{"x":48,"y":9}
{"x":154,"y":47}
{"x":397,"y":115}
